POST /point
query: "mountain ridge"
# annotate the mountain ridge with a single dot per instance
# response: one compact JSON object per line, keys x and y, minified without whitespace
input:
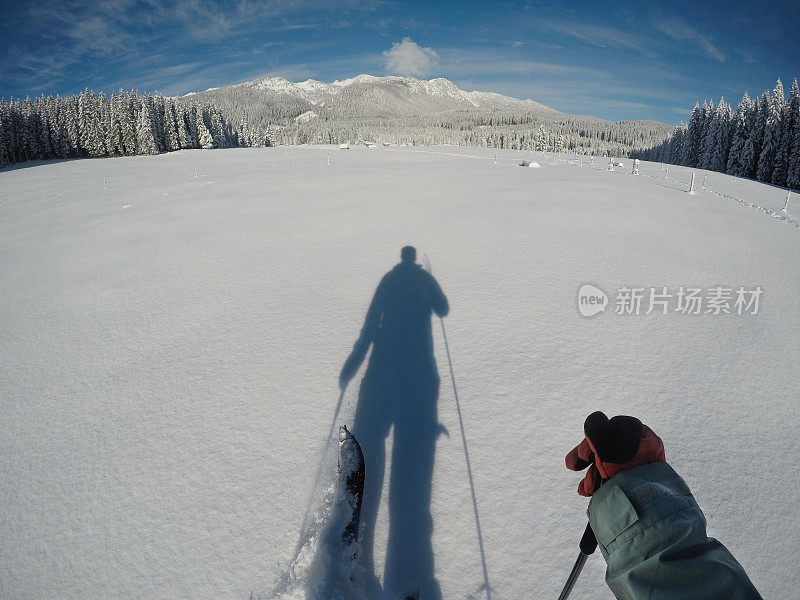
{"x":314,"y":90}
{"x":403,"y":109}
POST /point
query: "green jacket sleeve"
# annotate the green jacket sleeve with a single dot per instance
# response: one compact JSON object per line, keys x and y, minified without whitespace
{"x":653,"y":536}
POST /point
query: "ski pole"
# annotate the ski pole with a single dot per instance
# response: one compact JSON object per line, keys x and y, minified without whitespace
{"x":588,"y":545}
{"x":469,"y":468}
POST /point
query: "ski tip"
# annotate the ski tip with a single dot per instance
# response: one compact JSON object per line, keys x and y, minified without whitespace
{"x":343,"y":433}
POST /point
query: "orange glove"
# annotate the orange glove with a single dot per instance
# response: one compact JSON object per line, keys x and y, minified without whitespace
{"x":612,"y":446}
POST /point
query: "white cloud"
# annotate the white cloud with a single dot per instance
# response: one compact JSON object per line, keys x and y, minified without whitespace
{"x":602,"y":37}
{"x":408,"y":58}
{"x":681,"y":31}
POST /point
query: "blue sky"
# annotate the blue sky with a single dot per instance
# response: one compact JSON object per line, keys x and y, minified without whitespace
{"x":616,"y":60}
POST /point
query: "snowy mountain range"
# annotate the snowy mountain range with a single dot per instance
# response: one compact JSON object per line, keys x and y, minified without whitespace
{"x":392,"y":93}
{"x":434,"y":111}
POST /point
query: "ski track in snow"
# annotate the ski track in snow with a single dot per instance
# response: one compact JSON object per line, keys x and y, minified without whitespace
{"x":780,"y":215}
{"x":771,"y":213}
{"x":169,"y":374}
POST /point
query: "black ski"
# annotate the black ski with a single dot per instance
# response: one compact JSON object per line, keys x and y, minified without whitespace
{"x":351,"y":473}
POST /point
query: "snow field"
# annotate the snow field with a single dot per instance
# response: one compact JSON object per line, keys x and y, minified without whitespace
{"x":171,"y":346}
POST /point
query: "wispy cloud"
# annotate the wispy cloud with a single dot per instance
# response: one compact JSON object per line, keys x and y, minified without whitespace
{"x":572,"y":98}
{"x":566,"y":86}
{"x":488,"y":62}
{"x":602,"y":37}
{"x":36,"y":73}
{"x":99,"y":28}
{"x":681,"y":31}
{"x":72,"y":42}
{"x":214,"y":21}
{"x":97,"y":35}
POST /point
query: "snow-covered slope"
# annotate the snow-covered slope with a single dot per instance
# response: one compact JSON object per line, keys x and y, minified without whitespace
{"x":404,"y":109}
{"x":172,"y":329}
{"x":438,"y":90}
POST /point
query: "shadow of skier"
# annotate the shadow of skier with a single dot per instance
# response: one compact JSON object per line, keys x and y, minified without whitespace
{"x":399,"y":390}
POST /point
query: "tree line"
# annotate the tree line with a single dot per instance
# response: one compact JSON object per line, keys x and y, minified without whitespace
{"x":376,"y":113}
{"x":91,"y":125}
{"x":760,"y":141}
{"x":533,"y":133}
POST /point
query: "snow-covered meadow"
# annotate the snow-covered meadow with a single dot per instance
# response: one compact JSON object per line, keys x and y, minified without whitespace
{"x":172,"y":329}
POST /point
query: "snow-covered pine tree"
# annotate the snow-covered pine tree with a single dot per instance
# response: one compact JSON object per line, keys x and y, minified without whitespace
{"x":39,"y":137}
{"x":756,"y":140}
{"x":27,"y":136}
{"x":129,"y":106}
{"x":682,"y":153}
{"x":217,"y":131}
{"x":4,"y":125}
{"x":72,"y":125}
{"x":718,"y":138}
{"x":114,"y":139}
{"x":790,"y":111}
{"x":7,"y":134}
{"x":793,"y":174}
{"x":184,"y":136}
{"x":12,"y":135}
{"x":53,"y":129}
{"x":152,"y":110}
{"x":91,"y":141}
{"x":695,"y":132}
{"x":246,"y":136}
{"x":677,"y":151}
{"x":541,"y":139}
{"x":709,"y":133}
{"x":104,"y":113}
{"x":35,"y":133}
{"x":145,"y":140}
{"x":59,"y":137}
{"x":191,"y":114}
{"x":171,"y":126}
{"x":772,"y":134}
{"x":204,"y":136}
{"x":740,"y":134}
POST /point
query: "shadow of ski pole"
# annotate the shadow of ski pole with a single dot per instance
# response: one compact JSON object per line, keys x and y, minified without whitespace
{"x":469,"y":468}
{"x":314,"y":491}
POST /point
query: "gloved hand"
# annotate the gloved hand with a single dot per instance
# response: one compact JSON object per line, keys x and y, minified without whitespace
{"x":612,"y":446}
